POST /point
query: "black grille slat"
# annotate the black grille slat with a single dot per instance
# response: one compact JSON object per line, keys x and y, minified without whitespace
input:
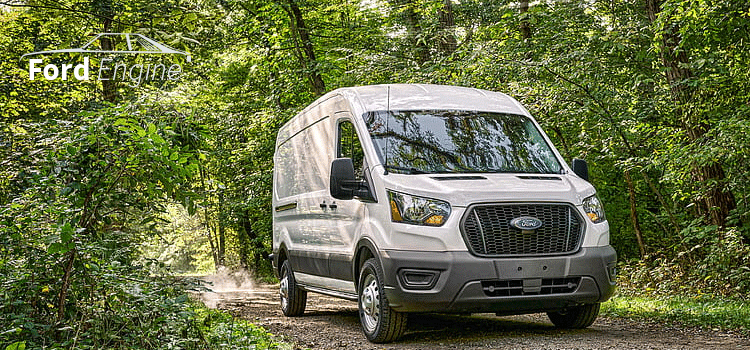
{"x":487,"y":230}
{"x":508,"y":288}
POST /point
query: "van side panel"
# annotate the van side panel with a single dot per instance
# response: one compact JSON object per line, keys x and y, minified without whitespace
{"x":320,"y":228}
{"x":300,"y":186}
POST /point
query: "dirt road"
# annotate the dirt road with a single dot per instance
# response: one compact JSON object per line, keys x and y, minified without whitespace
{"x":331,"y":323}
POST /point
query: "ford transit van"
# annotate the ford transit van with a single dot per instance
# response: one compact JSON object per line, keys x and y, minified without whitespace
{"x":413,"y":198}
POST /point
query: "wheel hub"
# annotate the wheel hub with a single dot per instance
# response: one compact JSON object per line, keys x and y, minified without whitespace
{"x":284,"y":291}
{"x":370,"y":300}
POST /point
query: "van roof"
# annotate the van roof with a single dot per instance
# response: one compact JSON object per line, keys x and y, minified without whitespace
{"x":428,"y":96}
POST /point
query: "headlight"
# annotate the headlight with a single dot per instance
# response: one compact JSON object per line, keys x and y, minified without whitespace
{"x":594,"y":209}
{"x":418,"y":210}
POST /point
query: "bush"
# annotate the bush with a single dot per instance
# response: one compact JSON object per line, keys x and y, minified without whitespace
{"x":84,"y":195}
{"x":709,"y":261}
{"x":123,"y":309}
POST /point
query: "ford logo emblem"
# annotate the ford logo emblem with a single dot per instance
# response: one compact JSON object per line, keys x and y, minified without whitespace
{"x":526,"y":223}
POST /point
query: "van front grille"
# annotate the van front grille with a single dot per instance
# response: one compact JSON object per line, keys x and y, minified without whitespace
{"x":487,"y":230}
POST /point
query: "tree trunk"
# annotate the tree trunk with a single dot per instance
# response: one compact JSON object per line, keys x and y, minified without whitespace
{"x":525,"y":27}
{"x":719,"y":201}
{"x":662,"y":201}
{"x":211,"y":242}
{"x":308,"y":59}
{"x":63,"y":296}
{"x":716,"y":199}
{"x":109,"y":87}
{"x":222,"y":232}
{"x":414,"y":32}
{"x":207,"y":219}
{"x":255,"y":242}
{"x":244,"y":240}
{"x":634,"y":215}
{"x":563,"y":141}
{"x":447,"y":43}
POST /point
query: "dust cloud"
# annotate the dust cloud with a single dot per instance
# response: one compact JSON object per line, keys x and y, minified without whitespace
{"x":226,"y":285}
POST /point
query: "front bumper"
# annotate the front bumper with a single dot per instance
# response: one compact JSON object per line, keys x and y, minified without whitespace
{"x":460,"y":282}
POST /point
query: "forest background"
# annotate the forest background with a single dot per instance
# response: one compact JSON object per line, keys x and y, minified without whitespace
{"x":110,"y":193}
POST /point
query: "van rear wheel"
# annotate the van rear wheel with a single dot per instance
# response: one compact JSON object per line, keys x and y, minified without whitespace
{"x":576,"y":317}
{"x":380,"y":323}
{"x":293,"y":299}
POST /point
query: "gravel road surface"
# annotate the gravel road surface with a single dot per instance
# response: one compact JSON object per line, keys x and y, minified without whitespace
{"x":330,"y":323}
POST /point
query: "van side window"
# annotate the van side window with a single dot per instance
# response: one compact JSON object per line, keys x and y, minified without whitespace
{"x":350,"y":147}
{"x":303,"y":160}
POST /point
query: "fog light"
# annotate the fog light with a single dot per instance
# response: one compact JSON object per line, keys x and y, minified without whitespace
{"x":612,"y":272}
{"x":418,"y":279}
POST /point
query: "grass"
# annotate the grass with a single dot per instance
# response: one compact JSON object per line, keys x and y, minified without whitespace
{"x":700,"y":311}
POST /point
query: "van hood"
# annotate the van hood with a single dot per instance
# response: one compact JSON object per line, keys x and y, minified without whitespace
{"x":462,"y":190}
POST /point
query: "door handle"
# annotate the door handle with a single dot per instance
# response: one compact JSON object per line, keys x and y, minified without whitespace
{"x":333,"y":206}
{"x":323,"y":205}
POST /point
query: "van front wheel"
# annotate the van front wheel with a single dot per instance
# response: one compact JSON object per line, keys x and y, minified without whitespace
{"x":578,"y":317}
{"x":293,"y":299}
{"x":380,"y":323}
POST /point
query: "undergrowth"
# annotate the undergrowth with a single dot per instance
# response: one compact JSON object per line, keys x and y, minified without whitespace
{"x":641,"y":296}
{"x":145,"y":313}
{"x":700,"y":311}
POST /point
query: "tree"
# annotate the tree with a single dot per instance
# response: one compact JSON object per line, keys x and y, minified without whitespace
{"x":717,"y":200}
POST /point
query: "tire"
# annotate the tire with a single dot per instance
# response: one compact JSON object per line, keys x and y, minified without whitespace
{"x":293,"y":299}
{"x":575,"y":318}
{"x":380,"y":323}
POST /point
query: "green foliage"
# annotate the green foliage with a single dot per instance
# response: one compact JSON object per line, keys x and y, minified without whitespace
{"x":590,"y":72}
{"x":88,"y":187}
{"x":145,"y":313}
{"x":699,"y":311}
{"x":182,"y":244}
{"x":222,"y":329}
{"x":705,"y":262}
{"x":68,"y":244}
{"x":84,"y":183}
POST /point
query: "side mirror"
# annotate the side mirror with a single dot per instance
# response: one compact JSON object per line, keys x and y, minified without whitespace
{"x":581,"y":168}
{"x":342,"y":174}
{"x":344,"y":185}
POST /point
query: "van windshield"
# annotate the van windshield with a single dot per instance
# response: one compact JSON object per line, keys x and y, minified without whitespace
{"x":449,"y":141}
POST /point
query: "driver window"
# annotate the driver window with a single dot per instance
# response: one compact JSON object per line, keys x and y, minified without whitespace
{"x":350,"y":147}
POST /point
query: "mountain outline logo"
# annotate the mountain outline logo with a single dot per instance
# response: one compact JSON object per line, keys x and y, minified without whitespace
{"x":132,"y":40}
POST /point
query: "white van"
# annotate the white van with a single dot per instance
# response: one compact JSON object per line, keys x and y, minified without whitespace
{"x":413,"y":198}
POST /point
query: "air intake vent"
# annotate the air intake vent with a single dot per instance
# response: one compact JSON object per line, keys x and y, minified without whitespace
{"x":534,"y":177}
{"x":509,"y":288}
{"x":452,"y":178}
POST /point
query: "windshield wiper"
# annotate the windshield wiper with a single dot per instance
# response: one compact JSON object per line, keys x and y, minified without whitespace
{"x":408,"y":170}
